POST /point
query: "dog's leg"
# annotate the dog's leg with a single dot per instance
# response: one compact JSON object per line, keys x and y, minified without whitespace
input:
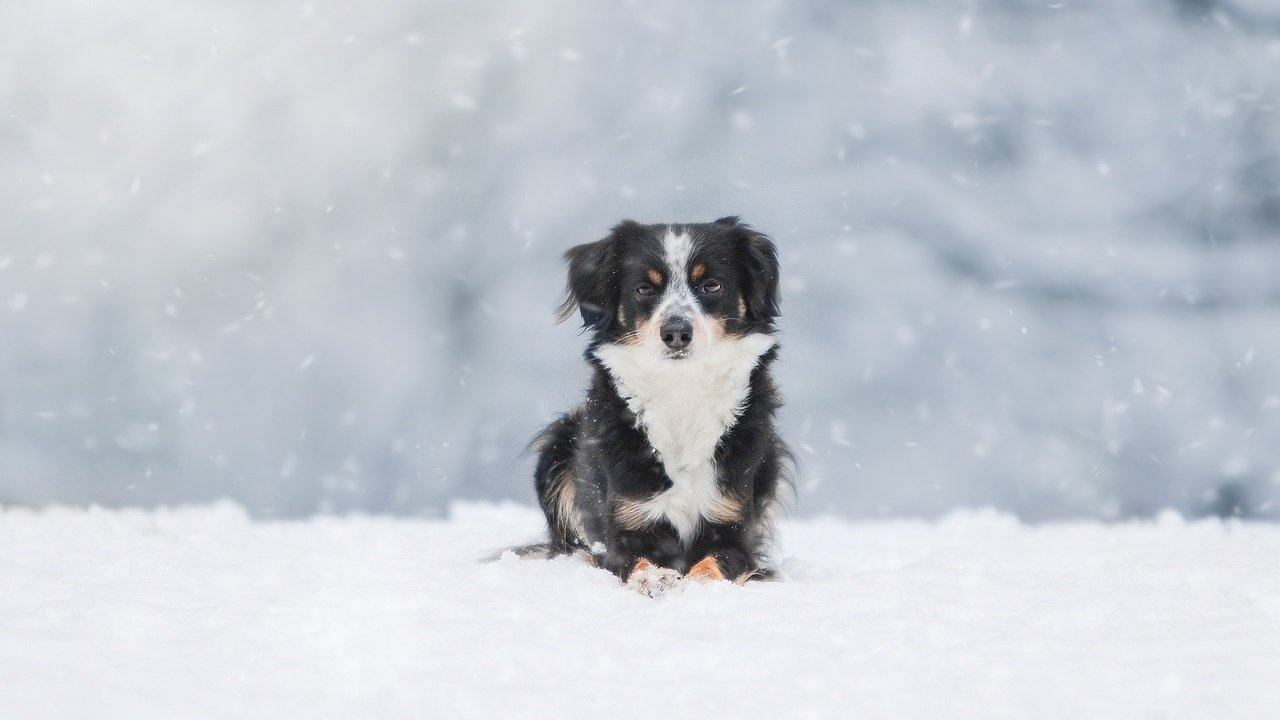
{"x":725,"y":564}
{"x":556,"y":486}
{"x":644,"y":556}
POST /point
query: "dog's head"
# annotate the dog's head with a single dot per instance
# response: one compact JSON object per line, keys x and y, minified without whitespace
{"x":674,"y":289}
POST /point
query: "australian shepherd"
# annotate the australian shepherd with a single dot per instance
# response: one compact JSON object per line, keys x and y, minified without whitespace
{"x":672,"y":467}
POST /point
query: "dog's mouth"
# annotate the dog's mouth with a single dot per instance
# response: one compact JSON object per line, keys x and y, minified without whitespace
{"x":677,"y":354}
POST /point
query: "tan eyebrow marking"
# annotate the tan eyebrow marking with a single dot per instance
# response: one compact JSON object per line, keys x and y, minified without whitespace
{"x":698,"y":271}
{"x":655,"y":277}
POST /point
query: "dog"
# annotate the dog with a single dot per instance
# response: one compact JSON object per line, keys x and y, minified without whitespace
{"x":672,"y":468}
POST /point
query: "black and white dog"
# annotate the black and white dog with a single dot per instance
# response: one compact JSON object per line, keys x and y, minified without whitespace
{"x":672,"y":466}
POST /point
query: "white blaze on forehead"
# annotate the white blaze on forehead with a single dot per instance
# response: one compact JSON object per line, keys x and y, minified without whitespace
{"x":677,"y":248}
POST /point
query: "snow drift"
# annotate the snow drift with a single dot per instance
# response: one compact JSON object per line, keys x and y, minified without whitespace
{"x":201,"y":611}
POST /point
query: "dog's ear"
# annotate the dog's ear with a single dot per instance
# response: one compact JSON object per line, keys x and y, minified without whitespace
{"x":590,"y":288}
{"x":760,"y":284}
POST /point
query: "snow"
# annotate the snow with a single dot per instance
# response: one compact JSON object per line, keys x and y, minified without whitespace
{"x":204,"y":612}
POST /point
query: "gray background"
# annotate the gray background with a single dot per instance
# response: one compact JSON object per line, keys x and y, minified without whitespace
{"x":304,"y":256}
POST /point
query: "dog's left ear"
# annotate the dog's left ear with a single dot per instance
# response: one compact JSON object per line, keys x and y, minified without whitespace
{"x":760,"y":285}
{"x":589,"y":288}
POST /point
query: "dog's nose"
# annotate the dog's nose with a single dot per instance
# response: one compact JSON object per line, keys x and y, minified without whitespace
{"x":677,"y":333}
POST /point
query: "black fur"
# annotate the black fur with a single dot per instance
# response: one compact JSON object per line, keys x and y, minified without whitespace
{"x":601,"y":456}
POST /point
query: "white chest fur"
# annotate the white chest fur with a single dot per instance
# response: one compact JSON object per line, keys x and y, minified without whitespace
{"x":684,"y":407}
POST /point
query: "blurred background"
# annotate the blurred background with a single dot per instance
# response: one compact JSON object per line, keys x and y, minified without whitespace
{"x":305,"y":255}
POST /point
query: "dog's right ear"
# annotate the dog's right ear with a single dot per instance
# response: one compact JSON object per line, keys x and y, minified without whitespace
{"x":590,"y":288}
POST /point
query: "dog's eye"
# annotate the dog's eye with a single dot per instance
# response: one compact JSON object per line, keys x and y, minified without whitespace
{"x":644,"y":290}
{"x":711,"y":287}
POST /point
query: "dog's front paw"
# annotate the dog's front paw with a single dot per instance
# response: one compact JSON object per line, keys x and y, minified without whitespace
{"x":652,"y":580}
{"x":706,"y":570}
{"x":738,"y":567}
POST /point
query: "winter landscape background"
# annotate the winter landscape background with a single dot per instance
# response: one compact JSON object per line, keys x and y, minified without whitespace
{"x":304,"y":256}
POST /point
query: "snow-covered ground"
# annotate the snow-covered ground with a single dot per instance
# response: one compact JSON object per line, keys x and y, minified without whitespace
{"x":203,"y":612}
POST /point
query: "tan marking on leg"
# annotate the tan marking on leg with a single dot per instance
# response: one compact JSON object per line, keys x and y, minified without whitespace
{"x":698,"y":271}
{"x":655,"y":277}
{"x":744,"y":577}
{"x":564,"y":496}
{"x":641,"y":565}
{"x":630,"y":514}
{"x":726,"y":510}
{"x":706,"y":569}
